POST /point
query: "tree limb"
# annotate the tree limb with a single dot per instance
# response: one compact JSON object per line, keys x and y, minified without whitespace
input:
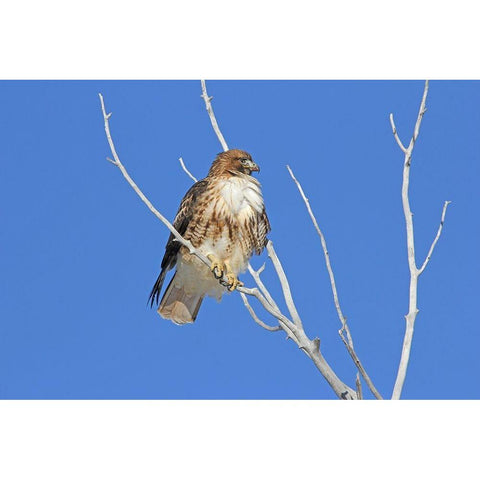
{"x":255,"y":317}
{"x":185,"y":169}
{"x":414,"y":271}
{"x":347,"y":341}
{"x":213,"y":120}
{"x":439,"y":232}
{"x":287,"y":294}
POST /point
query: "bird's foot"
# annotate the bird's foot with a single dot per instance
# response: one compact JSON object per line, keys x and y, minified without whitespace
{"x":233,"y":282}
{"x":217,"y":267}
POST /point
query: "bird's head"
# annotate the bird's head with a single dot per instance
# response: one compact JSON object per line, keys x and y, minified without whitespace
{"x":233,"y":162}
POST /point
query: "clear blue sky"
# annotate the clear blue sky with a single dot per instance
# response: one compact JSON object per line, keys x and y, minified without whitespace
{"x":80,"y":252}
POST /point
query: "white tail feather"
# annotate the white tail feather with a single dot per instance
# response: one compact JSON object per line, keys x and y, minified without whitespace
{"x":178,"y":306}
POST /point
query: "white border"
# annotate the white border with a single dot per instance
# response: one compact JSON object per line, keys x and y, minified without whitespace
{"x":238,"y":439}
{"x":252,"y":39}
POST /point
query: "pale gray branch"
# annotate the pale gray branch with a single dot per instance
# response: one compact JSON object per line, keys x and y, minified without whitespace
{"x":255,"y":317}
{"x":284,"y":284}
{"x":359,"y":365}
{"x":395,"y":134}
{"x":358,"y":384}
{"x":414,"y":271}
{"x":256,"y":276}
{"x":348,"y":341}
{"x":325,"y":252}
{"x":213,"y":120}
{"x":421,"y":112}
{"x":439,"y":232}
{"x":145,"y":200}
{"x":185,"y":169}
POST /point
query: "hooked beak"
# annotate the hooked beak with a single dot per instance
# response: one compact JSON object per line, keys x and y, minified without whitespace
{"x":252,"y":166}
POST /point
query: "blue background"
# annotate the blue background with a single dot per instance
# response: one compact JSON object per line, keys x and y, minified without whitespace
{"x":80,"y":252}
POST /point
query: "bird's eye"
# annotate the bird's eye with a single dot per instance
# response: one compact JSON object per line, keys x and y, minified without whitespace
{"x":244,"y":160}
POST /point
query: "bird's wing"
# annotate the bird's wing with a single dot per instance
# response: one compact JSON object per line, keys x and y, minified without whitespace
{"x":182,"y":219}
{"x":263,"y":228}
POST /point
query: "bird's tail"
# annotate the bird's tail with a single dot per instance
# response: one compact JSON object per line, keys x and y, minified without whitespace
{"x":155,"y":293}
{"x":178,"y":306}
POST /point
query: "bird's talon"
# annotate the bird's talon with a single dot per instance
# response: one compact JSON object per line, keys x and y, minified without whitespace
{"x":216,"y":267}
{"x":233,"y":282}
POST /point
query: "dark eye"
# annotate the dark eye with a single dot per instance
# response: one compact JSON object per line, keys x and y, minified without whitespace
{"x":244,"y":160}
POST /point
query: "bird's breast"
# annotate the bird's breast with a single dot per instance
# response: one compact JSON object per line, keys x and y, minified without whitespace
{"x":241,"y":196}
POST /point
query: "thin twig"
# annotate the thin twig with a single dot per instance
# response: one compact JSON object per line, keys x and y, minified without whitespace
{"x":213,"y":120}
{"x":284,"y":284}
{"x":145,"y":200}
{"x":325,"y":252}
{"x":358,"y":384}
{"x":347,"y":341}
{"x":256,"y":276}
{"x":185,"y":169}
{"x":359,"y":365}
{"x":395,"y":134}
{"x":255,"y":317}
{"x":439,"y":232}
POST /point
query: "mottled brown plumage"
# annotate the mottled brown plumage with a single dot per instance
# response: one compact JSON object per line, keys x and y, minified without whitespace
{"x":224,"y":216}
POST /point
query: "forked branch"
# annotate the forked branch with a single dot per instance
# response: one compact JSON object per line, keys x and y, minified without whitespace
{"x":348,"y":341}
{"x":414,"y":270}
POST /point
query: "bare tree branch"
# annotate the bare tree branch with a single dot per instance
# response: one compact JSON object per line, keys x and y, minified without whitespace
{"x":439,"y":232}
{"x":256,"y":276}
{"x":255,"y":317}
{"x":347,"y":341}
{"x":144,"y":199}
{"x":358,"y":384}
{"x":310,"y":347}
{"x":395,"y":134}
{"x":414,"y":271}
{"x":325,"y":252}
{"x":213,"y":120}
{"x":185,"y":169}
{"x":284,"y":284}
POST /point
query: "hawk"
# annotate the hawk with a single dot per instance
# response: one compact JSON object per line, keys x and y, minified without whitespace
{"x":223,"y":216}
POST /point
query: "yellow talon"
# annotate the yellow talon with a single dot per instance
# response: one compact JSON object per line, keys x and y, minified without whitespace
{"x":217,"y":267}
{"x":233,"y":282}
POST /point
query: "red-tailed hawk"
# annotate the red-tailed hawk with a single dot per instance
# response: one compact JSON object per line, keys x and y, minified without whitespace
{"x":224,"y":216}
